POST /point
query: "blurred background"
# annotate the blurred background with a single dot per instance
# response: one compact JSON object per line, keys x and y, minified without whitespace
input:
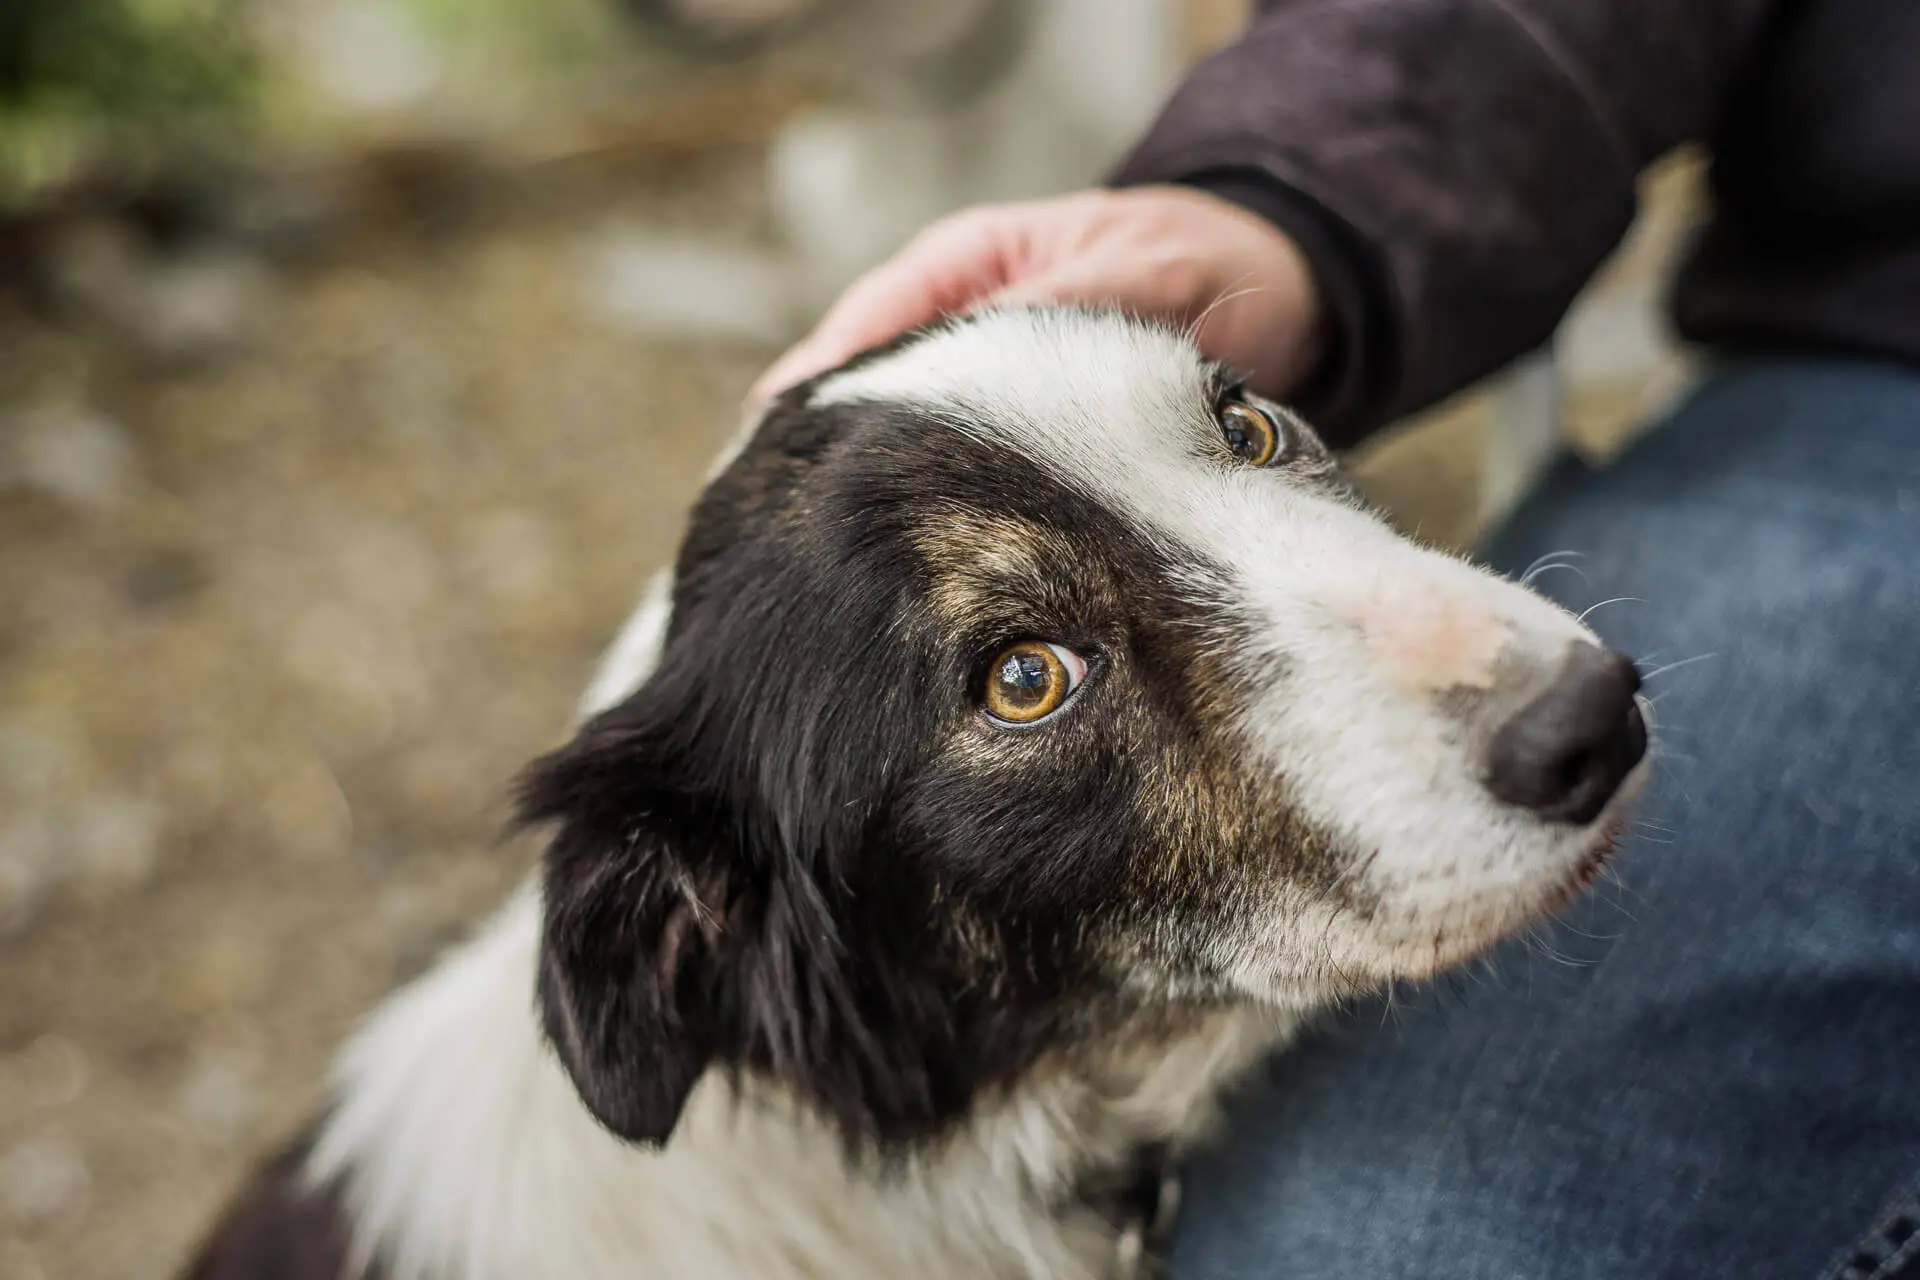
{"x":358,"y":360}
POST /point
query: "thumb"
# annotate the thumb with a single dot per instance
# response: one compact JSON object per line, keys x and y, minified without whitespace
{"x":943,"y":270}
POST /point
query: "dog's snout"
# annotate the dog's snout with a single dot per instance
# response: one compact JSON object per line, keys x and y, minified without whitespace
{"x":1566,"y":752}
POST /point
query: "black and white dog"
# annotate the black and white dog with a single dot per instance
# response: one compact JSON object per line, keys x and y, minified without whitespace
{"x":1033,"y":731}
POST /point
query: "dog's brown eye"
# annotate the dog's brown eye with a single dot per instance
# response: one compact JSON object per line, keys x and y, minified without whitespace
{"x":1251,"y":434}
{"x":1029,"y":681}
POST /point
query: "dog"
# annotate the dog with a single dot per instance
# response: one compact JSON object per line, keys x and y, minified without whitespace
{"x":1034,"y":731}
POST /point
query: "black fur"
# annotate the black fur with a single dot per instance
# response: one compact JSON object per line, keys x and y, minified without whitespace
{"x":708,"y":888}
{"x":280,"y":1229}
{"x":765,"y":859}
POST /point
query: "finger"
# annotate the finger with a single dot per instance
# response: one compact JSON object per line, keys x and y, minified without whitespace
{"x":1273,"y":347}
{"x":800,"y":362}
{"x":941,"y":271}
{"x":1062,"y":288}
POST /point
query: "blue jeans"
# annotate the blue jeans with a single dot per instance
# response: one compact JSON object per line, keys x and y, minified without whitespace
{"x":1711,"y":1067}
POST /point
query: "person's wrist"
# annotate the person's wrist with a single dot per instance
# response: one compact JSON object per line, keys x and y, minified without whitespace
{"x":1312,"y":337}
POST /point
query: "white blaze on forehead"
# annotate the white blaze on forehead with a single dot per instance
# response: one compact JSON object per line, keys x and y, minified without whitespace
{"x":1115,"y":409}
{"x":1367,"y":625}
{"x":1121,"y":411}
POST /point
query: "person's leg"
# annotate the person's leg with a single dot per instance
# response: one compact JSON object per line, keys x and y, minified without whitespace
{"x":1711,"y":1068}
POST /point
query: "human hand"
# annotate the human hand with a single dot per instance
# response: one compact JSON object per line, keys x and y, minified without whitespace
{"x":1170,"y":253}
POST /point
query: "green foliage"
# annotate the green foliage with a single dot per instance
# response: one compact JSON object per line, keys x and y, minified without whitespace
{"x":80,"y":75}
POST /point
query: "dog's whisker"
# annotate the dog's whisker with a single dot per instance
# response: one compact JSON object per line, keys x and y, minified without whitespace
{"x":1591,"y":609}
{"x":1590,"y":937}
{"x":1610,"y":878}
{"x":1544,"y":570}
{"x":1675,"y":666}
{"x":1388,"y":1010}
{"x":1551,"y":560}
{"x":1226,"y":295}
{"x":1541,"y":946}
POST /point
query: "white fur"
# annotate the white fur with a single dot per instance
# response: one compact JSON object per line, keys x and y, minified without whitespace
{"x":464,"y":1152}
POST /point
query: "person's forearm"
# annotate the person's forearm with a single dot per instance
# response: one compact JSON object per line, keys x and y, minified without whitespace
{"x":1455,"y":169}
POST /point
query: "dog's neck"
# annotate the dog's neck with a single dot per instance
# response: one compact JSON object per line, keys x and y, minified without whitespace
{"x":462,"y":1150}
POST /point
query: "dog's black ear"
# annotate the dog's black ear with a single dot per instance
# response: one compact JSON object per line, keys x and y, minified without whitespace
{"x":722,"y":888}
{"x":632,"y":964}
{"x":679,"y":935}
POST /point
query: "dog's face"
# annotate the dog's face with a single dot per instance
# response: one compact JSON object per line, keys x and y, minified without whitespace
{"x":1029,"y":675}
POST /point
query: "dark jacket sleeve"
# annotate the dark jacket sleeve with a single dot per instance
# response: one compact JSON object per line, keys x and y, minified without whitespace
{"x":1455,"y":169}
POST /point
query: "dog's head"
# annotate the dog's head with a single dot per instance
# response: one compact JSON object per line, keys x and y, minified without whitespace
{"x":1028,"y":673}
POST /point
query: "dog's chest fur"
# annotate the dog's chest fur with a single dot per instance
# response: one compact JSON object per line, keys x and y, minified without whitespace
{"x":460,"y":1149}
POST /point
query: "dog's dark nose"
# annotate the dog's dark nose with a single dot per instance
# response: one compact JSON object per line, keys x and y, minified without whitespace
{"x":1566,"y":752}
